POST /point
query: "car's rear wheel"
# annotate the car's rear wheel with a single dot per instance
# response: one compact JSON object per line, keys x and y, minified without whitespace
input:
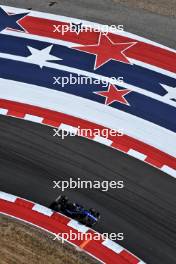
{"x":55,"y":206}
{"x":59,"y":203}
{"x":62,"y":199}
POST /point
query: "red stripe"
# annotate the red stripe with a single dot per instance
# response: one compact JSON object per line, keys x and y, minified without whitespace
{"x":15,"y":113}
{"x":21,"y":211}
{"x":141,"y":51}
{"x":130,"y":258}
{"x":107,"y":255}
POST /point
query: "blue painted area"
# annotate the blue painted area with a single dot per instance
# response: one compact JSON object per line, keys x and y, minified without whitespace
{"x":10,"y":21}
{"x":140,"y":105}
{"x":132,"y":74}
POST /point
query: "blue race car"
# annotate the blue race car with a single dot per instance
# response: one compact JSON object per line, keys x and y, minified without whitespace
{"x":76,"y":211}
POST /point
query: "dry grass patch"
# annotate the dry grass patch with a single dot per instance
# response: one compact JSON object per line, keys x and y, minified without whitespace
{"x":21,"y":243}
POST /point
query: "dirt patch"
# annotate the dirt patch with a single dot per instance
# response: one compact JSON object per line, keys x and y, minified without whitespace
{"x":21,"y":243}
{"x":161,"y":7}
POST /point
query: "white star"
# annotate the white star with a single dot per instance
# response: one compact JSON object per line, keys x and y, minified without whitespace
{"x":171,"y":92}
{"x":40,"y":57}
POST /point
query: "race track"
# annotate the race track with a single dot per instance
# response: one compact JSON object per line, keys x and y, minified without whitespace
{"x":31,"y":158}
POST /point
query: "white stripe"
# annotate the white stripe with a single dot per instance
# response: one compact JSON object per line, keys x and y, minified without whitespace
{"x":3,"y":111}
{"x":133,"y":126}
{"x":136,"y":154}
{"x":70,"y":129}
{"x":79,"y":227}
{"x":33,"y":118}
{"x":93,"y":75}
{"x":113,"y":246}
{"x":8,"y":197}
{"x":103,"y":140}
{"x":42,"y":209}
{"x":169,"y":170}
{"x":74,"y":20}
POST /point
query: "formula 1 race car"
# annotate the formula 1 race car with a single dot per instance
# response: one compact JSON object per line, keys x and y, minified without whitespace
{"x":76,"y":211}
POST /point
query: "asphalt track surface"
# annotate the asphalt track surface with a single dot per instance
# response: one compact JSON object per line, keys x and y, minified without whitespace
{"x":31,"y":158}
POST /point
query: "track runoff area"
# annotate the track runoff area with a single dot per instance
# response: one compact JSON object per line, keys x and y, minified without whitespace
{"x":41,"y":46}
